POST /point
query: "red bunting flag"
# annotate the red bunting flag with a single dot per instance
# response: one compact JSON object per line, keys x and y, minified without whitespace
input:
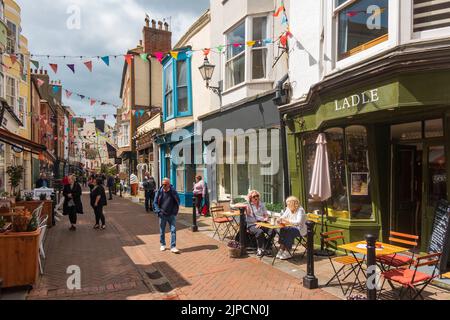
{"x":54,"y":67}
{"x":159,"y":56}
{"x":283,"y":40}
{"x":277,"y":13}
{"x":93,"y":102}
{"x":13,"y":58}
{"x":68,"y":94}
{"x":206,"y":51}
{"x":88,"y":65}
{"x":129,"y":58}
{"x":40,"y":82}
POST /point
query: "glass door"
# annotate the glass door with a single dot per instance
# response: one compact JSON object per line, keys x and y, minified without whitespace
{"x":435,"y":185}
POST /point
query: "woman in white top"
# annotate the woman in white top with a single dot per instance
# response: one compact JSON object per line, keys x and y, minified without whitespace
{"x":296,"y":216}
{"x":199,"y":193}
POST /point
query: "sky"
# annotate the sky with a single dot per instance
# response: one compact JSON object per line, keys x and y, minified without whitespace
{"x":106,"y":27}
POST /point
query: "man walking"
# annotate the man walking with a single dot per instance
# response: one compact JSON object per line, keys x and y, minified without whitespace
{"x":149,"y":185}
{"x":167,"y":204}
{"x":110,"y":184}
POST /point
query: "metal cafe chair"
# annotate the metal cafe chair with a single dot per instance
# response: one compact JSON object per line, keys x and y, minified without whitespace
{"x":349,"y":261}
{"x":412,"y":280}
{"x":222,"y":224}
{"x":399,"y":260}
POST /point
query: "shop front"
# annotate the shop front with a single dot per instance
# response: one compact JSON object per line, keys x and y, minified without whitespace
{"x":177,"y":164}
{"x":388,"y":146}
{"x":251,"y":156}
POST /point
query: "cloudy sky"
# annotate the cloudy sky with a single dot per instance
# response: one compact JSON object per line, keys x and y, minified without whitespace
{"x":106,"y":27}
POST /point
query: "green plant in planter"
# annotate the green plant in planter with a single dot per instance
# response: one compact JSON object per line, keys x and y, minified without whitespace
{"x":15,"y":174}
{"x":274,"y":207}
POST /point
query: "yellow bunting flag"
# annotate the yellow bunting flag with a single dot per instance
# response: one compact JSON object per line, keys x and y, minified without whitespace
{"x":251,"y":43}
{"x":174,"y":54}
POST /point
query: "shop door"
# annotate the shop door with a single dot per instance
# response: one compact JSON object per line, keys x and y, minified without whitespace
{"x":435,"y":186}
{"x":406,"y":196}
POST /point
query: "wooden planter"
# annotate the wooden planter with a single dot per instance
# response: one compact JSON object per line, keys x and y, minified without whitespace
{"x":19,"y":258}
{"x":47,"y":211}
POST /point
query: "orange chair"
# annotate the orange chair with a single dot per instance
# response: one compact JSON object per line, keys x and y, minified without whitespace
{"x":345,"y":261}
{"x":399,"y":260}
{"x":413,"y":280}
{"x":220,"y":224}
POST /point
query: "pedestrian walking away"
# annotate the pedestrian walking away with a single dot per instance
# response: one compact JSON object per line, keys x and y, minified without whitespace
{"x":98,"y":201}
{"x":167,"y":204}
{"x":149,"y":185}
{"x":110,"y":184}
{"x":72,"y":201}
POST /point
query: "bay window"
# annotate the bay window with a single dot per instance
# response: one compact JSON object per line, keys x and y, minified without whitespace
{"x":177,"y":95}
{"x":235,"y":64}
{"x":362,"y":24}
{"x":348,"y":160}
{"x":259,"y":51}
{"x":239,"y":54}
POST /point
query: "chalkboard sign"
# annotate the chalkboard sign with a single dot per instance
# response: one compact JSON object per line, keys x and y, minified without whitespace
{"x":440,"y":234}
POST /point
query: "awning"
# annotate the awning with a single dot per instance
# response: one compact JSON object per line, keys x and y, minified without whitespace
{"x":20,"y":142}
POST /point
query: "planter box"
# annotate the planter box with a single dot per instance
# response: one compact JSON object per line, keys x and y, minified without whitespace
{"x":47,"y":211}
{"x":19,"y":258}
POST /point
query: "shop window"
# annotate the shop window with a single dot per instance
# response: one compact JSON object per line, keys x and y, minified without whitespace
{"x":180,"y":178}
{"x":190,"y":177}
{"x":437,"y":174}
{"x":227,"y":178}
{"x":242,"y":179}
{"x":338,"y":204}
{"x":235,"y":64}
{"x":406,"y":131}
{"x":358,"y":170}
{"x":348,"y":160}
{"x":362,"y":24}
{"x":434,"y":128}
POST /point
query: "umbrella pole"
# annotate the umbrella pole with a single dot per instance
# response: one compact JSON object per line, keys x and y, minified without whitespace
{"x":323,"y":252}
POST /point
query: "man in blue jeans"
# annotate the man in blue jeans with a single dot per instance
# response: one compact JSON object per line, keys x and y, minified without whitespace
{"x":166,"y":206}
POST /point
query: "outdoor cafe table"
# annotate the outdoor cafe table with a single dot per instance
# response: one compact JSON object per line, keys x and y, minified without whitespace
{"x":360,"y":247}
{"x":275,"y":231}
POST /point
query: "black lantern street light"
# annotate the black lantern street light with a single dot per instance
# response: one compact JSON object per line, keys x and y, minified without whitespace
{"x":207,"y":71}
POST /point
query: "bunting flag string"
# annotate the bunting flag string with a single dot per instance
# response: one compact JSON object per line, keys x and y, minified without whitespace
{"x":92,"y":101}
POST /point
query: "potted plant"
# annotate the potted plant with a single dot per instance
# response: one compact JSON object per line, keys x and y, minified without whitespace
{"x":29,"y":196}
{"x":15,"y":174}
{"x":42,"y":197}
{"x":234,"y":248}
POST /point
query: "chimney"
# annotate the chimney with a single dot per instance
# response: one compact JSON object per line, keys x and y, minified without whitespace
{"x":45,"y":72}
{"x":157,"y":39}
{"x":140,"y":43}
{"x":147,"y":22}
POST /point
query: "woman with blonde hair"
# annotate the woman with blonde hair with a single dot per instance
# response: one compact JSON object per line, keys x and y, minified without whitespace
{"x":257,"y":212}
{"x":294,"y":215}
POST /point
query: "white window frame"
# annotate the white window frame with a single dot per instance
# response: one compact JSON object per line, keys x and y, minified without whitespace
{"x":13,"y":98}
{"x":263,"y":47}
{"x":228,"y":61}
{"x":394,"y":26}
{"x":22,"y":117}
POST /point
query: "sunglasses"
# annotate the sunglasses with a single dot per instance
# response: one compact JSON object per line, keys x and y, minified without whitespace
{"x":255,"y":197}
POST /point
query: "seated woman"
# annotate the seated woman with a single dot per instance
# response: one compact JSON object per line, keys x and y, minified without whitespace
{"x":257,"y":212}
{"x":296,"y":216}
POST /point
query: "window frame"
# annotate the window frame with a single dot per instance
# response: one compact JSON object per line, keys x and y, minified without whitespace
{"x":23,"y":117}
{"x":263,"y":47}
{"x":172,"y":63}
{"x":230,"y":60}
{"x":382,"y":40}
{"x":7,"y":95}
{"x":10,"y":38}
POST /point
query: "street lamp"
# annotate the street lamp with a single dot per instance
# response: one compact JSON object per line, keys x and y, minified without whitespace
{"x":207,"y":71}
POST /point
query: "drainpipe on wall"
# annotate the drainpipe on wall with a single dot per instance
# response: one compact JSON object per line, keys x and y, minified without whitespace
{"x":281,"y":98}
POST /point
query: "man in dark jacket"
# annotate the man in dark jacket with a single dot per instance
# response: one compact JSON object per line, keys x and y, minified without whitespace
{"x":167,"y":204}
{"x":149,"y":185}
{"x":110,"y":185}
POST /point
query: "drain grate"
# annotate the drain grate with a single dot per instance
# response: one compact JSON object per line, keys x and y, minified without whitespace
{"x":155,"y":275}
{"x":165,"y":287}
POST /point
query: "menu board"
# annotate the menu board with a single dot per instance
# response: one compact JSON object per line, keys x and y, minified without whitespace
{"x":440,"y":234}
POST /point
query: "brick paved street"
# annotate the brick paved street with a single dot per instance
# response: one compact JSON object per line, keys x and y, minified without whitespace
{"x":124,"y":262}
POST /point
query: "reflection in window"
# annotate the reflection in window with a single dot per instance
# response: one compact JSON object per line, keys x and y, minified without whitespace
{"x":362,"y":24}
{"x":434,"y":128}
{"x":182,"y":87}
{"x":406,"y":131}
{"x":359,"y":175}
{"x":338,"y":204}
{"x":259,"y":52}
{"x":437,"y":174}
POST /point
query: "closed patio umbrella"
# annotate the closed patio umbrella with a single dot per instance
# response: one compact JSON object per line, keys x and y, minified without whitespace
{"x":320,"y":189}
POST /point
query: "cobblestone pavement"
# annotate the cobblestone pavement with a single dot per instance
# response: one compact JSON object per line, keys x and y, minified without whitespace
{"x":124,"y":262}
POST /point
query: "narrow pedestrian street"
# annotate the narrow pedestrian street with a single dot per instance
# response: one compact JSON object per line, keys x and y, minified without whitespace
{"x":124,"y":262}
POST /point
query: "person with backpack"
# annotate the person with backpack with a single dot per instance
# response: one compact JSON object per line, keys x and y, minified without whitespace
{"x":167,"y":204}
{"x":98,"y":201}
{"x":149,"y":185}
